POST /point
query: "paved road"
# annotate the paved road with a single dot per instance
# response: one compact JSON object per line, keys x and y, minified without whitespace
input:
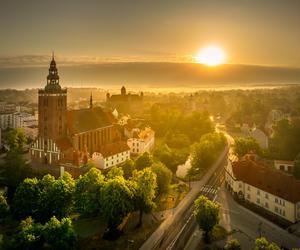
{"x":172,"y":225}
{"x":237,"y":217}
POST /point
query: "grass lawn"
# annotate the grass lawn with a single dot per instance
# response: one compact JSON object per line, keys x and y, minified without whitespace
{"x":90,"y":233}
{"x":171,"y":199}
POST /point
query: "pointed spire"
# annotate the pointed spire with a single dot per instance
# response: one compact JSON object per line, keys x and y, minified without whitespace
{"x":52,"y":55}
{"x":91,"y":101}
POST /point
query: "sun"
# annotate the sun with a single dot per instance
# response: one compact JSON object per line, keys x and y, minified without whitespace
{"x":211,"y":56}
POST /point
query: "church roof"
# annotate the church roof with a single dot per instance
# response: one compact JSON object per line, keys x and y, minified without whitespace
{"x":83,"y":120}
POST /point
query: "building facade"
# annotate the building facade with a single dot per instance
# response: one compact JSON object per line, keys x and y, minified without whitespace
{"x":141,"y":141}
{"x":270,"y":189}
{"x":111,"y":155}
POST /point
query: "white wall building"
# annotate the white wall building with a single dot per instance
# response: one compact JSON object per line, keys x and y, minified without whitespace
{"x":142,"y":141}
{"x":287,"y":166}
{"x":270,"y":189}
{"x":111,"y":155}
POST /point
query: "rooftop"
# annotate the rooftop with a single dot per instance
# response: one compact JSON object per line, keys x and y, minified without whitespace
{"x":268,"y":179}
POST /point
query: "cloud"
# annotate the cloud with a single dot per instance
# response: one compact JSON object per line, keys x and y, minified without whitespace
{"x":43,"y":60}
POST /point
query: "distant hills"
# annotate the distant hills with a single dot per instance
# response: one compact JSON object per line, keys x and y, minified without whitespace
{"x":151,"y":75}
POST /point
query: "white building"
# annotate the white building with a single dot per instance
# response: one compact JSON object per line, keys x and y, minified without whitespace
{"x":141,"y":141}
{"x":272,"y":190}
{"x":6,"y":120}
{"x":287,"y":166}
{"x":111,"y":155}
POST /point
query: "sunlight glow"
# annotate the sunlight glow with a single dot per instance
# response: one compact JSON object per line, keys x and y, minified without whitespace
{"x":211,"y":56}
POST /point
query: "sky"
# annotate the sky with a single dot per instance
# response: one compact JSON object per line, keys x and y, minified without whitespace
{"x":259,"y":32}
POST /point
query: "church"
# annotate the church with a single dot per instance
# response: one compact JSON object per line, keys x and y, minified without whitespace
{"x":70,"y":136}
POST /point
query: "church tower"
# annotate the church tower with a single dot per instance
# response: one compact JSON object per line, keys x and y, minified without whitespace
{"x":52,"y":105}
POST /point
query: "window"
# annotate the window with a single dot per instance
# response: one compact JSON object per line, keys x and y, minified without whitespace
{"x":276,"y":200}
{"x":248,"y":188}
{"x":258,"y":192}
{"x":283,"y":203}
{"x":281,"y":167}
{"x":240,"y":185}
{"x":276,"y":209}
{"x":248,"y":196}
{"x":258,"y":200}
{"x":266,"y":196}
{"x":267,"y":205}
{"x":283,"y":212}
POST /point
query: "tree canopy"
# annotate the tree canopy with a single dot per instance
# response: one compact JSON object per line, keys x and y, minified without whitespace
{"x":206,"y":151}
{"x":263,"y":244}
{"x":207,"y":214}
{"x":87,"y":192}
{"x":145,"y":191}
{"x":163,"y":177}
{"x":44,"y":198}
{"x":117,"y":201}
{"x":244,"y":146}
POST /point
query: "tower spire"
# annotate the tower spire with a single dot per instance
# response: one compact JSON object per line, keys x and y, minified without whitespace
{"x":91,"y":101}
{"x":52,"y":55}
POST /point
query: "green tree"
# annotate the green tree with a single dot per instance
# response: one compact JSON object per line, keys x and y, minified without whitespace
{"x":15,"y":170}
{"x":163,"y":177}
{"x":56,"y":197}
{"x":207,"y":215}
{"x":44,"y":198}
{"x":145,"y":191}
{"x":143,"y":161}
{"x":263,"y":244}
{"x":26,"y":198}
{"x":128,"y":167}
{"x":16,"y":139}
{"x":114,"y":172}
{"x":117,"y":201}
{"x":4,"y":207}
{"x":206,"y":151}
{"x":59,"y":234}
{"x":29,"y":236}
{"x":243,"y":146}
{"x":87,"y":192}
{"x":232,"y":245}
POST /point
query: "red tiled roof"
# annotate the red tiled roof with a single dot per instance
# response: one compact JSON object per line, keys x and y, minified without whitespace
{"x":284,"y":162}
{"x":268,"y":179}
{"x":113,"y":148}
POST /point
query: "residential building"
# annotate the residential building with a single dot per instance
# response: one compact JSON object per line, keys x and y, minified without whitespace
{"x":141,"y":141}
{"x":270,"y":189}
{"x":287,"y":166}
{"x":110,"y":155}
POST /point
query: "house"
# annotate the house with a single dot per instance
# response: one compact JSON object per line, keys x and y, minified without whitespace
{"x":270,"y":189}
{"x":141,"y":141}
{"x":287,"y":166}
{"x":111,"y":155}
